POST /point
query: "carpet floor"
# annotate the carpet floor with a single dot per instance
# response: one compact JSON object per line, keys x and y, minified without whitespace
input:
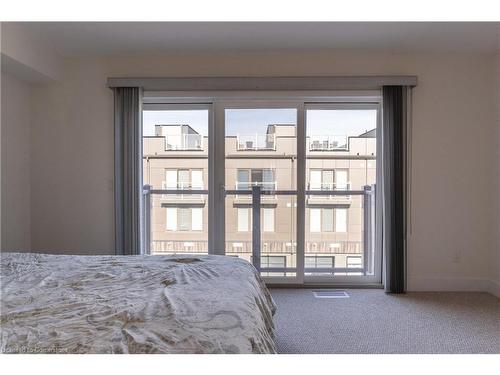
{"x":371,"y":321}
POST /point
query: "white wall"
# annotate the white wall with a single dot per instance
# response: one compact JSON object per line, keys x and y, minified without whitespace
{"x":25,"y":62}
{"x":26,"y":56}
{"x":72,"y":165}
{"x":454,"y":153}
{"x":16,"y":161}
{"x":496,"y":271}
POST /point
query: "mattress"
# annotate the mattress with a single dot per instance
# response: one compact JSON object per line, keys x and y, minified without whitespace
{"x":133,"y":304}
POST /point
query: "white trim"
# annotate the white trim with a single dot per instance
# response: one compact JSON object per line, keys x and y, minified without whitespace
{"x":453,"y":284}
{"x":493,"y":287}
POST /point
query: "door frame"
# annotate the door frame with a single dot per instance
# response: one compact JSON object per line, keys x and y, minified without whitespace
{"x":217,"y":102}
{"x":238,"y":103}
{"x":376,"y":278}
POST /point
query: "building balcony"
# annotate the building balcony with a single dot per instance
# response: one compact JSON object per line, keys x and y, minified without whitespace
{"x":324,"y":199}
{"x":183,"y":198}
{"x":336,"y":249}
{"x":183,"y":142}
{"x":256,"y":142}
{"x":328,"y":143}
{"x":246,"y":199}
{"x":179,"y":247}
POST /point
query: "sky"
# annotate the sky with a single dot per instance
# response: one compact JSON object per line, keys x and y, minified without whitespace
{"x":197,"y":119}
{"x":252,"y":121}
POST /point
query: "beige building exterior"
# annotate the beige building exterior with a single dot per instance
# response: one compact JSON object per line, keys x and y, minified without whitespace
{"x":176,"y":158}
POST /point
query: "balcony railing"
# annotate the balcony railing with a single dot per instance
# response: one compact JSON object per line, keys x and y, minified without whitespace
{"x":186,"y":189}
{"x":256,"y":142}
{"x":329,"y":186}
{"x":267,"y":186}
{"x":256,"y":194}
{"x":184,"y":142}
{"x":175,"y":247}
{"x":312,"y":247}
{"x":328,"y":143}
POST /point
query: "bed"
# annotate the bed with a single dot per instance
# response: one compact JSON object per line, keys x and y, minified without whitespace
{"x":133,"y":304}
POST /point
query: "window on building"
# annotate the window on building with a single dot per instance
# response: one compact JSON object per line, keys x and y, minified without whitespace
{"x":243,"y":219}
{"x":341,"y":179}
{"x":197,"y":219}
{"x":268,"y":178}
{"x":171,"y":218}
{"x":315,"y":179}
{"x":315,"y":220}
{"x":256,"y":177}
{"x":197,"y":179}
{"x":341,"y":220}
{"x":328,"y":220}
{"x":243,"y":176}
{"x":184,"y":179}
{"x":268,"y":219}
{"x":171,"y":179}
{"x":184,"y":219}
{"x":328,"y":179}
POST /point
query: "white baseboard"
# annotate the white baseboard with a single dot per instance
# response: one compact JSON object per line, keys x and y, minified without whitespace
{"x":453,"y":284}
{"x":494,"y":288}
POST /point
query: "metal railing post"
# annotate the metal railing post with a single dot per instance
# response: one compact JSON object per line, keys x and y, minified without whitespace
{"x":373,"y":194}
{"x":256,"y":227}
{"x":366,"y":226}
{"x":147,"y":219}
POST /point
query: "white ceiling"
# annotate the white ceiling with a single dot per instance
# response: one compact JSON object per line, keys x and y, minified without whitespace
{"x":126,"y":38}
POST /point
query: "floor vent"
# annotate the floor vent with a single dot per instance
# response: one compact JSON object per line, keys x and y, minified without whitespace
{"x":331,"y":294}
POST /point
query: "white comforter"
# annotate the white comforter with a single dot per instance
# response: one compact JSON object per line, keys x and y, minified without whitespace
{"x":133,"y":304}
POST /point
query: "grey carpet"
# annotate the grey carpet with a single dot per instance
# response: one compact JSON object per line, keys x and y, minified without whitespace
{"x":371,"y":321}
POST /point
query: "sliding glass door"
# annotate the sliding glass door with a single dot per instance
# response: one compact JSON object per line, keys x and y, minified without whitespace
{"x":288,"y":185}
{"x":341,"y":180}
{"x":175,"y":177}
{"x":261,"y":186}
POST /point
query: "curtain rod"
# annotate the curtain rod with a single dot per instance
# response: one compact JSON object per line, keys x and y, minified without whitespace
{"x":263,"y":83}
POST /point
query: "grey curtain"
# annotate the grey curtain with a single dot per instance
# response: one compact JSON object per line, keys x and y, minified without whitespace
{"x":128,"y":170}
{"x":394,"y":172}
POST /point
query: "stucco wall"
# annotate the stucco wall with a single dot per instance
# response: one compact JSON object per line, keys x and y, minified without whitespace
{"x":16,"y":162}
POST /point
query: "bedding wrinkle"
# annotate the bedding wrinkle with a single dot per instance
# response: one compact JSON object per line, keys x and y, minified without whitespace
{"x":133,"y":304}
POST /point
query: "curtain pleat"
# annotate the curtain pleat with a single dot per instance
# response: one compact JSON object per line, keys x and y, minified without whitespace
{"x":128,"y":170}
{"x":394,"y":142}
